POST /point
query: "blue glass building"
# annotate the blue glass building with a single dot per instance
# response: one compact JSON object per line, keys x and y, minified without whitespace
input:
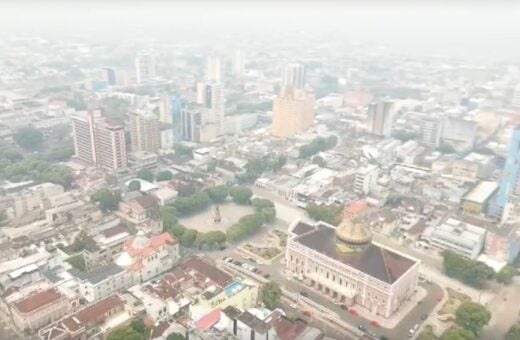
{"x":509,"y":181}
{"x":177,"y":107}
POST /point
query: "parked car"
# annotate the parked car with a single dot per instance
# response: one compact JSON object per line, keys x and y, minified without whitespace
{"x":424,"y":317}
{"x":344,"y":307}
{"x":362,"y":328}
{"x":267,"y":276}
{"x":302,"y":293}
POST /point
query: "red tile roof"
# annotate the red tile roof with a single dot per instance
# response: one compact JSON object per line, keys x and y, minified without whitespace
{"x":208,"y":320}
{"x":118,"y":229}
{"x":38,"y":300}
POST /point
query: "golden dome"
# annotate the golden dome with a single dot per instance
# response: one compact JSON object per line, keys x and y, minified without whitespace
{"x":352,"y":236}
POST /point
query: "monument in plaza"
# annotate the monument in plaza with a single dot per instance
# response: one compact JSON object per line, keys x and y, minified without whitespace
{"x":217,"y":219}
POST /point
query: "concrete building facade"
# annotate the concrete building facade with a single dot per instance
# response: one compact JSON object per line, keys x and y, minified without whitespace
{"x":293,"y":112}
{"x":99,"y":142}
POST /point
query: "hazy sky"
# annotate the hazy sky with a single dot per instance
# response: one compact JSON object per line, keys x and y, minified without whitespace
{"x":488,"y":27}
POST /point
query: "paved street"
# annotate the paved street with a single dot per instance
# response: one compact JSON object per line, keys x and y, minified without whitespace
{"x":6,"y":331}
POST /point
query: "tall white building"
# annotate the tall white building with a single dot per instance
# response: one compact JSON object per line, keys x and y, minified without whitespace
{"x":97,"y":141}
{"x":238,"y":63}
{"x":214,"y":69}
{"x":293,"y":76}
{"x":380,"y":118}
{"x":144,"y":67}
{"x":211,"y":96}
{"x":431,"y":132}
{"x":366,"y":179}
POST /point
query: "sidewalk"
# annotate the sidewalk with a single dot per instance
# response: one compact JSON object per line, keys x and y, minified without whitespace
{"x":396,"y":318}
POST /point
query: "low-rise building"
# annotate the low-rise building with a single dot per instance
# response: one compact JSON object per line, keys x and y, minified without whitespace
{"x":109,"y":244}
{"x":459,"y":237}
{"x":148,"y":257}
{"x":104,"y":281}
{"x":88,"y":322}
{"x":476,"y":200}
{"x":366,"y":179}
{"x":40,"y":309}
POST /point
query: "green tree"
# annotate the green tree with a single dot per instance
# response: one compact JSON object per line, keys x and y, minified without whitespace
{"x":446,"y":148}
{"x":135,"y":185}
{"x":241,"y":195}
{"x":191,"y":204}
{"x":107,"y":200}
{"x":261,"y":203}
{"x":139,"y":326}
{"x":317,"y":145}
{"x":513,"y":333}
{"x":175,"y":336}
{"x":165,"y":175}
{"x":3,"y":217}
{"x":458,"y":333}
{"x":78,"y":262}
{"x":59,"y":153}
{"x":183,"y":150}
{"x":472,"y":317}
{"x":218,"y":194}
{"x":246,"y":226}
{"x":56,"y":174}
{"x":176,"y":230}
{"x":29,"y":138}
{"x":318,"y":160}
{"x":505,"y":275}
{"x":186,"y":189}
{"x":327,"y":213}
{"x":468,"y":271}
{"x":145,"y":174}
{"x":188,"y":237}
{"x":269,"y":214}
{"x":127,"y":333}
{"x":270,"y":295}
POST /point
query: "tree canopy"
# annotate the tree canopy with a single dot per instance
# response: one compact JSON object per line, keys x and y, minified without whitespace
{"x":192,"y":204}
{"x":108,"y":200}
{"x":165,"y":175}
{"x":241,"y":195}
{"x":270,"y":295}
{"x":218,"y":194}
{"x":246,"y":226}
{"x":513,"y":333}
{"x":505,"y":275}
{"x":457,"y":333}
{"x":471,"y":272}
{"x":175,"y":336}
{"x":317,"y":145}
{"x":327,"y":213}
{"x":472,"y":317}
{"x":135,"y":185}
{"x":188,"y":237}
{"x":266,"y":208}
{"x":145,"y":174}
{"x":29,"y":138}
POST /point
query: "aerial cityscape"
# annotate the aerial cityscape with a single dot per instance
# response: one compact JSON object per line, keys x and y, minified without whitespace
{"x":259,"y":173}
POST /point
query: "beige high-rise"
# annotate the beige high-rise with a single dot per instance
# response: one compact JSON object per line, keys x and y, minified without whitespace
{"x":144,"y":132}
{"x":99,"y":142}
{"x":293,"y":112}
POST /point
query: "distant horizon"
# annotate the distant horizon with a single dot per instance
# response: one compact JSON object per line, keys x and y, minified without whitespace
{"x":471,"y":28}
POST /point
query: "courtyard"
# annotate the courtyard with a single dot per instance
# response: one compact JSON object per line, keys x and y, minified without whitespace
{"x":230,"y":213}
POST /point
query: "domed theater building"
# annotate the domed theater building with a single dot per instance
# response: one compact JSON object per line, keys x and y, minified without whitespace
{"x":344,"y":264}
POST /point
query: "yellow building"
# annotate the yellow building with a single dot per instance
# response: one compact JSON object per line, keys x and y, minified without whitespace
{"x":293,"y":112}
